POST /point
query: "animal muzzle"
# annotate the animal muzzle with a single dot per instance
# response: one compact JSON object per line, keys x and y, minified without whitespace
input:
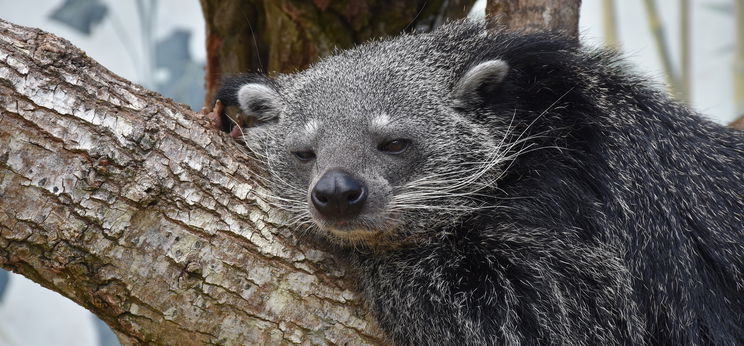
{"x":338,"y":195}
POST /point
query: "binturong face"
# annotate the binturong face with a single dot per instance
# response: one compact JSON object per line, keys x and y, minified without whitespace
{"x":369,"y":148}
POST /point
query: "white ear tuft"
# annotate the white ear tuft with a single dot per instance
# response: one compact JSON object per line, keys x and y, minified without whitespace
{"x":259,"y":100}
{"x":483,"y":77}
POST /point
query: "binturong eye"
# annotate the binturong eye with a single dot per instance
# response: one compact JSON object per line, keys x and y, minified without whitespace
{"x":396,"y":146}
{"x":306,"y":155}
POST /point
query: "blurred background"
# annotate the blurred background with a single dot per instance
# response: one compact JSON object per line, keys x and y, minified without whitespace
{"x":161,"y":45}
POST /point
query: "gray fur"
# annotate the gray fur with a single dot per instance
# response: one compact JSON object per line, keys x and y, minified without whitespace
{"x":259,"y":100}
{"x":548,"y":195}
{"x":491,"y":72}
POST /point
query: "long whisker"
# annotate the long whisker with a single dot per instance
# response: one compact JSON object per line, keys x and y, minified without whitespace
{"x":467,"y":184}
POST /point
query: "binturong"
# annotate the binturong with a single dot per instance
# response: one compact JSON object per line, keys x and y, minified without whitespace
{"x":491,"y":187}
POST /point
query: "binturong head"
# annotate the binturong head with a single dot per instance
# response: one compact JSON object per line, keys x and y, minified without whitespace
{"x":384,"y":143}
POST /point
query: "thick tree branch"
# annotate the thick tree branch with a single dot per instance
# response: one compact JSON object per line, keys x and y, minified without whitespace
{"x":120,"y":200}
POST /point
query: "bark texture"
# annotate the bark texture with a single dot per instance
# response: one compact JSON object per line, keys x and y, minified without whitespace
{"x":536,"y":15}
{"x":287,"y":35}
{"x":122,"y":201}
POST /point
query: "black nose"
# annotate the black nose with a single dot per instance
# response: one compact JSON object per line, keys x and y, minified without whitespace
{"x":338,"y":195}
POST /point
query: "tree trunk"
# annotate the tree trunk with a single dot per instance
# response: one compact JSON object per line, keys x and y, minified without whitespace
{"x":535,"y":15}
{"x":121,"y":200}
{"x":240,"y":38}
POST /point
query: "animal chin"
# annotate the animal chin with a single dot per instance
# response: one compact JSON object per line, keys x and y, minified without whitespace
{"x":354,"y":234}
{"x":349,"y":229}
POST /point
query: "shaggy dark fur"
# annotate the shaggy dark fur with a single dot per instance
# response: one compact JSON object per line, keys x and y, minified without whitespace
{"x":617,"y":217}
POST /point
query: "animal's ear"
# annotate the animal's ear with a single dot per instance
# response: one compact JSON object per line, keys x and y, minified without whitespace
{"x":480,"y":81}
{"x":260,"y":101}
{"x":254,"y":95}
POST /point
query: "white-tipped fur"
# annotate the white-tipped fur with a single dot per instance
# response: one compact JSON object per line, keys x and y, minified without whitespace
{"x":379,"y":121}
{"x":259,"y":100}
{"x":311,"y":127}
{"x":491,"y":72}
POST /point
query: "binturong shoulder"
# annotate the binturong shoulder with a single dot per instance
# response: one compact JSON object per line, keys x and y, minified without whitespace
{"x":492,"y":187}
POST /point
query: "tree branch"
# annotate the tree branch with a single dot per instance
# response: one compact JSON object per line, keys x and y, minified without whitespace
{"x":120,"y":200}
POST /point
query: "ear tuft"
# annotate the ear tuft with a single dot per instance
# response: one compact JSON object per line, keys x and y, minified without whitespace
{"x":256,"y":97}
{"x":480,"y":81}
{"x":260,"y":101}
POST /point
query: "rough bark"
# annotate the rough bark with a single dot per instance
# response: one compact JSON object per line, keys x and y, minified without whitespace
{"x":287,"y":35}
{"x":535,"y":15}
{"x":122,"y":201}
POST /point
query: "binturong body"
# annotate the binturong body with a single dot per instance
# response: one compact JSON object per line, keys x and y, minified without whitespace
{"x":498,"y":188}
